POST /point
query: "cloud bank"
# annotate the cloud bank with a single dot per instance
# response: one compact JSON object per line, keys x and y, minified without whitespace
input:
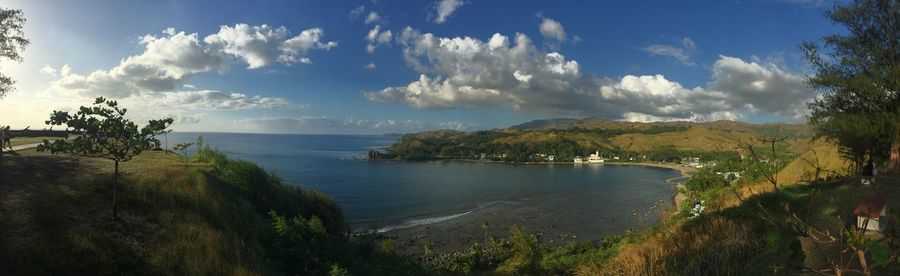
{"x":171,"y":58}
{"x":502,"y":71}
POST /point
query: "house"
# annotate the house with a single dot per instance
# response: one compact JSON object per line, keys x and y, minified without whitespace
{"x":692,"y":162}
{"x":871,"y":214}
{"x":697,"y":209}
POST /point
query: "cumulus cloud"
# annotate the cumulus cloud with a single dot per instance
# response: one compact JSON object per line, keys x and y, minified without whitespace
{"x":164,"y":64}
{"x":370,"y":66}
{"x":552,"y":29}
{"x":49,"y":71}
{"x":168,"y":60}
{"x":445,"y":8}
{"x":468,"y":72}
{"x":682,"y":54}
{"x":263,"y":45}
{"x":761,"y":87}
{"x":376,"y":38}
{"x":373,"y":17}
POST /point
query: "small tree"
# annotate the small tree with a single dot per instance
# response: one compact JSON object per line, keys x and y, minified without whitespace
{"x":105,"y":133}
{"x":182,"y":148}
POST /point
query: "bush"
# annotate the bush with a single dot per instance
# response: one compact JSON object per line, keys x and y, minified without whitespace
{"x":526,"y":253}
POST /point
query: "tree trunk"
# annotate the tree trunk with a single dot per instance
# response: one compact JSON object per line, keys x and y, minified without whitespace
{"x":115,"y":192}
{"x":894,"y":163}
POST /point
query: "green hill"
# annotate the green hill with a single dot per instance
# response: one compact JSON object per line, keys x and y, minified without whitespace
{"x":567,"y":138}
{"x":211,"y":216}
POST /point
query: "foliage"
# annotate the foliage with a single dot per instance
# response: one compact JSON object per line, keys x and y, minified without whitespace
{"x":12,"y":43}
{"x":477,"y":257}
{"x":268,"y":192}
{"x":182,"y":149}
{"x":105,"y":133}
{"x":859,"y":76}
{"x":301,"y":245}
{"x":526,"y":258}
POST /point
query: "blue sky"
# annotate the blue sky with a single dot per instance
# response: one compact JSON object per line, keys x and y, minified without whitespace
{"x":445,"y":64}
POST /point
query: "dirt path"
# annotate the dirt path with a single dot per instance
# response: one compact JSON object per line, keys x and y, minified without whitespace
{"x":21,"y":147}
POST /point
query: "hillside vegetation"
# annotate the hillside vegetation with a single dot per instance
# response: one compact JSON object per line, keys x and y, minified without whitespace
{"x":209,"y":216}
{"x":568,"y":138}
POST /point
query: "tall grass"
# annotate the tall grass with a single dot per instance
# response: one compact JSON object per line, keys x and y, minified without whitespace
{"x":715,"y":246}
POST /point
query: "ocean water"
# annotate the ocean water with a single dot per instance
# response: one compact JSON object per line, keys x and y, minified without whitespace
{"x":387,"y":195}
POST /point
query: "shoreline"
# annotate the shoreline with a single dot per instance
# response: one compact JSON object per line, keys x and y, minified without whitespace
{"x":464,"y":230}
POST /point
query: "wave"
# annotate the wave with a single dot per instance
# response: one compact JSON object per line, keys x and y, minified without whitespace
{"x":431,"y":220}
{"x":419,"y":222}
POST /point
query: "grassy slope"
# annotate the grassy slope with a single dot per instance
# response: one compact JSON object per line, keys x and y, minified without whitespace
{"x":55,"y":218}
{"x":703,"y":137}
{"x":697,"y":138}
{"x":735,"y":239}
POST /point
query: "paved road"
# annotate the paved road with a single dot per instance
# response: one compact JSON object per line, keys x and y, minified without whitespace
{"x":21,"y":147}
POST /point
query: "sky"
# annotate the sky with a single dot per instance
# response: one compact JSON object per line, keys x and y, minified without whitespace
{"x":372,"y":67}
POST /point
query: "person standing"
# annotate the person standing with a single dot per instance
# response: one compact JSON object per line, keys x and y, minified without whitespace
{"x":4,"y":138}
{"x":868,"y":175}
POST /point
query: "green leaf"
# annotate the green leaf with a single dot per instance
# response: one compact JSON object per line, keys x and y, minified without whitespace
{"x":879,"y":253}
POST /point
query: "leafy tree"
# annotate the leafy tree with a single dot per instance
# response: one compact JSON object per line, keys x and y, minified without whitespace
{"x":12,"y":43}
{"x":105,"y":133}
{"x":859,"y":75}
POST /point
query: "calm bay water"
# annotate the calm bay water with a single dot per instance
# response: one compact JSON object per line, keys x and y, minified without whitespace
{"x":386,"y":194}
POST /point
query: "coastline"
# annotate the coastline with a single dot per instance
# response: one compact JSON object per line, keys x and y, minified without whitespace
{"x":464,"y":230}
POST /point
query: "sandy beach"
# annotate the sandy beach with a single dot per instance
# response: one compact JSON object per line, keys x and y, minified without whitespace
{"x":547,"y":218}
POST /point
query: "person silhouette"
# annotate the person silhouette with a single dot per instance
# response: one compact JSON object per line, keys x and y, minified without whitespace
{"x":868,"y":175}
{"x":4,"y":138}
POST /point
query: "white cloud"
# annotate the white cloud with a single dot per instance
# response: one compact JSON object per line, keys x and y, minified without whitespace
{"x":373,"y":17}
{"x":325,"y":124}
{"x":445,"y":8}
{"x":355,"y":13}
{"x":682,"y":54}
{"x":468,"y":72}
{"x":164,"y":64}
{"x":762,"y":87}
{"x":168,"y":60}
{"x":370,"y":66}
{"x":551,"y":29}
{"x":211,"y":99}
{"x":376,"y":38}
{"x":263,"y":45}
{"x":188,"y":119}
{"x":47,"y":70}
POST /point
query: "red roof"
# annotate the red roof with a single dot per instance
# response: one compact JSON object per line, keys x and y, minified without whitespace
{"x":870,"y":208}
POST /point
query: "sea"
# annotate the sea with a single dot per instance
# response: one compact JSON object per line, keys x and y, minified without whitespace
{"x":385,"y":195}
